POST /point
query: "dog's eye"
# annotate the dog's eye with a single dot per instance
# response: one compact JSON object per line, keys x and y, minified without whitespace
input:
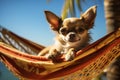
{"x":81,"y":30}
{"x":63,"y":31}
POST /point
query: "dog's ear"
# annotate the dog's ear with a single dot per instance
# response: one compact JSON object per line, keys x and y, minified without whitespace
{"x":53,"y":20}
{"x":89,"y":16}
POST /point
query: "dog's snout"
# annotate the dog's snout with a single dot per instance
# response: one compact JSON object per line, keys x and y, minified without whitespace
{"x":72,"y":35}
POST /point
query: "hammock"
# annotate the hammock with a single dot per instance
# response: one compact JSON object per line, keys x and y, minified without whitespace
{"x":19,"y":55}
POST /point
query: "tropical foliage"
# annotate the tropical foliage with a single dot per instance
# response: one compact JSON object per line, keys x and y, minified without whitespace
{"x":69,"y":8}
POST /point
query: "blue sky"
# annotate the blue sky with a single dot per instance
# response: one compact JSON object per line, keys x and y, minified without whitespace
{"x":26,"y":18}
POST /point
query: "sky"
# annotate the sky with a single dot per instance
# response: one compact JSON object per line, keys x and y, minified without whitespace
{"x":26,"y":18}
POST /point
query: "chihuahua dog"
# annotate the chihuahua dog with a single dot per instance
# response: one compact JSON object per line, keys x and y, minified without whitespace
{"x":72,"y":34}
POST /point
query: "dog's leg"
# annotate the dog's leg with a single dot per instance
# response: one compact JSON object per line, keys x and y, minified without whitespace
{"x":52,"y":54}
{"x":70,"y":54}
{"x":44,"y":51}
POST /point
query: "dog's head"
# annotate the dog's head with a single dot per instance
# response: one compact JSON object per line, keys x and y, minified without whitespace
{"x":72,"y":29}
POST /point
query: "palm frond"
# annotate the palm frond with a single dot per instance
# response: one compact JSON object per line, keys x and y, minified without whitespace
{"x":65,"y":9}
{"x":69,"y":8}
{"x":72,"y":8}
{"x":78,"y":2}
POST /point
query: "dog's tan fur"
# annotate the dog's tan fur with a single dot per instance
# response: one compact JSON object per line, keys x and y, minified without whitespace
{"x":72,"y":34}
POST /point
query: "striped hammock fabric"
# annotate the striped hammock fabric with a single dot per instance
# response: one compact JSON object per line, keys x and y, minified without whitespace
{"x":20,"y":56}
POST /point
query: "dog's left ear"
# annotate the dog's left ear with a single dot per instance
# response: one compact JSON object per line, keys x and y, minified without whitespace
{"x":53,"y":20}
{"x":89,"y":16}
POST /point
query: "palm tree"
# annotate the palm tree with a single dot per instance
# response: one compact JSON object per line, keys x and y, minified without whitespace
{"x":112,"y":13}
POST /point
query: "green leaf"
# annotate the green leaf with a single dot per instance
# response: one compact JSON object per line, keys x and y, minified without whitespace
{"x":72,"y":8}
{"x":64,"y":13}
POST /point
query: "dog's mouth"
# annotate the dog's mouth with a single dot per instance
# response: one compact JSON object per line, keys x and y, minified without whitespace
{"x":73,"y":40}
{"x":72,"y":37}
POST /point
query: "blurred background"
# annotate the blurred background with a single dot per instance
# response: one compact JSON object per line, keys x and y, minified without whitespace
{"x":26,"y":18}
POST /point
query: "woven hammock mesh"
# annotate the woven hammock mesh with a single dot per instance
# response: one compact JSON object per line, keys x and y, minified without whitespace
{"x":85,"y":66}
{"x":95,"y":68}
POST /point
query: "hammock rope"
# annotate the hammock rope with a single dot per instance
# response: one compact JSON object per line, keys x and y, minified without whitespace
{"x":18,"y":42}
{"x":88,"y":63}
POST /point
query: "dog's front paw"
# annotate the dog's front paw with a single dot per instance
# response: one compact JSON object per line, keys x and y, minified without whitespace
{"x":52,"y":54}
{"x":70,"y":55}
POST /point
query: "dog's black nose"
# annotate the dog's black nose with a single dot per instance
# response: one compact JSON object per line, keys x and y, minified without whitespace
{"x":72,"y":36}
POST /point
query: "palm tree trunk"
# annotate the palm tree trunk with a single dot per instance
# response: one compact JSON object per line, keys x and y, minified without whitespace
{"x":112,"y":14}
